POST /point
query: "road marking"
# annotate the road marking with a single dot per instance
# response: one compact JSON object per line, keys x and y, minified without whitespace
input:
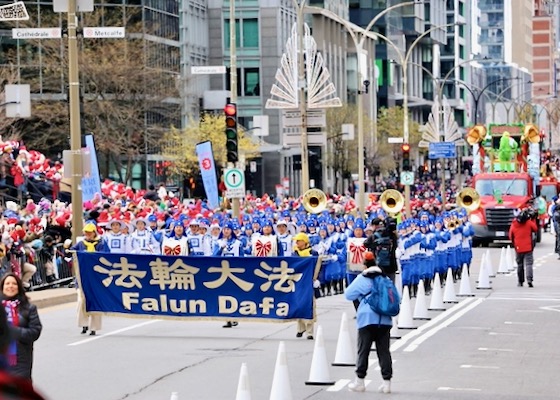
{"x":459,"y":389}
{"x":503,"y":334}
{"x":492,"y":349}
{"x":339,"y":385}
{"x":479,"y":366}
{"x":526,"y":298}
{"x":551,"y":308}
{"x":400,"y":343}
{"x":517,"y":323}
{"x":413,"y":346}
{"x":535,"y":311}
{"x":97,"y":337}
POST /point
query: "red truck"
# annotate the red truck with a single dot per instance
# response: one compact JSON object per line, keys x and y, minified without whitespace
{"x":501,"y":195}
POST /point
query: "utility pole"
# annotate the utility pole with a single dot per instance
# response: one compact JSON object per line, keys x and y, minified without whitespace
{"x":75,"y":129}
{"x":233,"y":82}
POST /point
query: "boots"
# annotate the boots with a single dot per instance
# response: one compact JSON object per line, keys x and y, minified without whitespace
{"x":385,"y":387}
{"x":357,"y":386}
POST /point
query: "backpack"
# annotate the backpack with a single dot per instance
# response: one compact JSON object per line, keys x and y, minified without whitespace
{"x":383,"y":247}
{"x":384,"y":298}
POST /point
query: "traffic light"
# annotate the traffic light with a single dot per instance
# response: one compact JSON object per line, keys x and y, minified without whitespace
{"x":548,"y":155}
{"x":231,"y":132}
{"x":406,"y":157}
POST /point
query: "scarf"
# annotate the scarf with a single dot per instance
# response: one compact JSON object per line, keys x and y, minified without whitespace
{"x":13,"y":319}
{"x":90,"y":246}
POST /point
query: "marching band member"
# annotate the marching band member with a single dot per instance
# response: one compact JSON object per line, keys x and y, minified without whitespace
{"x":91,"y":242}
{"x":199,"y":245}
{"x":355,"y":250}
{"x":442,"y":237}
{"x":467,"y":232}
{"x":176,"y":243}
{"x":284,"y":237}
{"x":427,"y":247}
{"x":412,"y":246}
{"x":228,"y":246}
{"x":117,"y":241}
{"x":215,"y":233}
{"x":143,"y":240}
{"x":325,"y":249}
{"x":266,"y":244}
{"x":303,"y":249}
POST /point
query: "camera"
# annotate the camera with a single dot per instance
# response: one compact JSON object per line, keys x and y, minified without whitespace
{"x":366,"y":86}
{"x":523,"y":216}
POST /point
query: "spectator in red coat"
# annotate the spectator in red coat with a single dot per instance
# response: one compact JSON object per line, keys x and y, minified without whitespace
{"x":521,"y":235}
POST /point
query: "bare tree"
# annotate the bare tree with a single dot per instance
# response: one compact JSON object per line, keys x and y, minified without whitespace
{"x":129,"y":93}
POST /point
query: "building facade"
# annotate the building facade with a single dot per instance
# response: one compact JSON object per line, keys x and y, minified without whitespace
{"x":156,"y":25}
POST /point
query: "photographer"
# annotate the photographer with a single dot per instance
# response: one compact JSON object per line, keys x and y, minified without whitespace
{"x":521,"y":236}
{"x":383,"y":244}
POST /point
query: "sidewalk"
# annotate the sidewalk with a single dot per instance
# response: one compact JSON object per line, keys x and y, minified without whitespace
{"x":53,"y":297}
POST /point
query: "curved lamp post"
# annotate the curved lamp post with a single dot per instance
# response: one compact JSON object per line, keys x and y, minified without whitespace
{"x":358,"y":36}
{"x":404,"y":63}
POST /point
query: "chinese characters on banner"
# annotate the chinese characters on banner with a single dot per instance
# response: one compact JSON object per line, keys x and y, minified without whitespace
{"x":268,"y":288}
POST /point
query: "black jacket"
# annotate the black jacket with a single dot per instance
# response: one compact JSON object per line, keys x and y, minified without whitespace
{"x":25,"y":335}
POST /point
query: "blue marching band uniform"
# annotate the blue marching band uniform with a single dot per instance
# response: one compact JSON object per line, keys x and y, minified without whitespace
{"x":426,"y":245}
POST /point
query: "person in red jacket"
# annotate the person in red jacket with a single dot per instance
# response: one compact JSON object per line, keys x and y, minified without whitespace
{"x":521,"y":235}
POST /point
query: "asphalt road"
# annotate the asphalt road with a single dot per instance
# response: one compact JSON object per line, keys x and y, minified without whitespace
{"x":500,"y":344}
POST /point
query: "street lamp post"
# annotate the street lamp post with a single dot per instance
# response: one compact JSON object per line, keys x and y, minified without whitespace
{"x":404,"y":63}
{"x":302,"y":103}
{"x":359,"y":44}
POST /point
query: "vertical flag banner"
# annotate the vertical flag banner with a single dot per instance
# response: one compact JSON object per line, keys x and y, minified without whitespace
{"x":208,"y":172}
{"x":91,"y":185}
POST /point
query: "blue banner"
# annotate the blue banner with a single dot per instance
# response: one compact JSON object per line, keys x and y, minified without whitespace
{"x":263,"y":288}
{"x":91,"y":185}
{"x":208,"y":172}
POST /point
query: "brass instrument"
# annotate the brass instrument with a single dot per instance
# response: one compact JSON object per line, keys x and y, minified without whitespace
{"x":451,"y":224}
{"x":530,"y":134}
{"x":476,"y":134}
{"x":392,"y":201}
{"x":469,"y":199}
{"x":314,"y":201}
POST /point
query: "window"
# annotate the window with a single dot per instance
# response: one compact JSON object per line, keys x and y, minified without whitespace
{"x":248,"y":81}
{"x":246,"y":32}
{"x":251,"y":82}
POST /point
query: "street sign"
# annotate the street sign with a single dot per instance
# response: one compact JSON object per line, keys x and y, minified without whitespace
{"x":234,"y":180}
{"x":315,"y":119}
{"x":208,"y":69}
{"x":116,"y":32}
{"x":407,"y":177}
{"x":293,"y":139}
{"x":36,"y":33}
{"x":17,"y":101}
{"x":442,"y":150}
{"x":395,"y":140}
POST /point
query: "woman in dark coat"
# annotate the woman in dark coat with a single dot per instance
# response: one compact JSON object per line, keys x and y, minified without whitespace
{"x":25,"y":326}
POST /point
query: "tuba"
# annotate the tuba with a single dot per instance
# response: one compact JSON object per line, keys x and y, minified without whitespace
{"x":469,"y":199}
{"x":530,"y":134}
{"x":314,"y":201}
{"x":392,"y":201}
{"x":476,"y":134}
